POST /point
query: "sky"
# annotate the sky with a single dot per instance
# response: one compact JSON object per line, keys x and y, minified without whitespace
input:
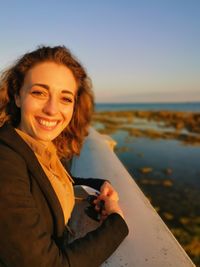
{"x":133,"y":50}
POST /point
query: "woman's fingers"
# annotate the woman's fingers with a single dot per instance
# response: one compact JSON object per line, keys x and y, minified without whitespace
{"x":108,"y":190}
{"x":110,"y":206}
{"x":106,"y":202}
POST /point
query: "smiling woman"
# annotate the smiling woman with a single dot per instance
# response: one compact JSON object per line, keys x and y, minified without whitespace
{"x":26,"y":69}
{"x":46,"y":103}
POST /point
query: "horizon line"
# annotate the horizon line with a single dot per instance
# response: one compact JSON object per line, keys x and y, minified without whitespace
{"x":148,"y":102}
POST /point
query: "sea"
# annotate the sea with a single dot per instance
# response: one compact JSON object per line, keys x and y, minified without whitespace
{"x":158,"y":154}
{"x":186,"y":106}
{"x":173,"y":184}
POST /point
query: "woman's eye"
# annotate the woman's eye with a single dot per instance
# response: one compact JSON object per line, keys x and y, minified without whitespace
{"x":38,"y":93}
{"x":67,"y":100}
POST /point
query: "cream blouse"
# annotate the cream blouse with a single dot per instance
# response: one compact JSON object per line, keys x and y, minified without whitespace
{"x":54,"y":170}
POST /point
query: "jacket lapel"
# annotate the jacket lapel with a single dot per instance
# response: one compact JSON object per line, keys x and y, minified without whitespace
{"x":9,"y":136}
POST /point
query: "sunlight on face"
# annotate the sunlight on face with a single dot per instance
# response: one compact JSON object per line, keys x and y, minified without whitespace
{"x":46,"y":100}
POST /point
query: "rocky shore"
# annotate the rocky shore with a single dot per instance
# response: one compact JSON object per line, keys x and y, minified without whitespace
{"x":177,"y":204}
{"x":184,"y":126}
{"x":179,"y":208}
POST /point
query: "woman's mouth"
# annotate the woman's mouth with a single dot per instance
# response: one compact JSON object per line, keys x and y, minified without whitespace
{"x":47,"y":124}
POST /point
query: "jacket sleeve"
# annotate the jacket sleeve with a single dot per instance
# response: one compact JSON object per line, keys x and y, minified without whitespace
{"x":25,"y":240}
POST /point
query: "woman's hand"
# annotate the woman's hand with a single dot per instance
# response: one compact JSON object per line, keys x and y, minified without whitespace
{"x":110,"y":206}
{"x":109,"y":196}
{"x":108,"y":191}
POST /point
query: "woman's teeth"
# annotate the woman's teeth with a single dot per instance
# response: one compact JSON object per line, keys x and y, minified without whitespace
{"x":48,"y":123}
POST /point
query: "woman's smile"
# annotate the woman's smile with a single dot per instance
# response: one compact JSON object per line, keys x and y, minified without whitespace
{"x":46,"y":123}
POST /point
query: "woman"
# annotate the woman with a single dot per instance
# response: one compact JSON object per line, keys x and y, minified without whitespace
{"x":46,"y":105}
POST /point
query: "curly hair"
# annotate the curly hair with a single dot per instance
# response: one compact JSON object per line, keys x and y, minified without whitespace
{"x":70,"y":141}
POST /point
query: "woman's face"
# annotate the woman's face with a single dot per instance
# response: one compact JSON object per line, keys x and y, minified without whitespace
{"x":46,"y":100}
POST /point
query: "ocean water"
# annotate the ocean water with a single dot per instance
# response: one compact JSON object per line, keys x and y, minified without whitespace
{"x":158,"y":154}
{"x":190,"y":106}
{"x":180,"y":199}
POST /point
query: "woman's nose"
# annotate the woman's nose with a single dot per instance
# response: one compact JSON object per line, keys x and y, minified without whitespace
{"x":51,"y":107}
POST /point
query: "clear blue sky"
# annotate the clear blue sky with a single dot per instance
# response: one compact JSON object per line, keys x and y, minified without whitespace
{"x":134,"y":51}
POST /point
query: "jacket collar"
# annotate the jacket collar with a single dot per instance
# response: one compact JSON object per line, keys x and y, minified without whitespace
{"x":9,"y":136}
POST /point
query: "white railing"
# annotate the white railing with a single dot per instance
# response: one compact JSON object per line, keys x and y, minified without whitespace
{"x":149,"y":243}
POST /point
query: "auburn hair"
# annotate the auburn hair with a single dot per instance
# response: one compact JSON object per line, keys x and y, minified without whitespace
{"x":70,"y":140}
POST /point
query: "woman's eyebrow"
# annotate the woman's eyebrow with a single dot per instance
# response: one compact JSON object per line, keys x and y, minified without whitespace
{"x":46,"y":86}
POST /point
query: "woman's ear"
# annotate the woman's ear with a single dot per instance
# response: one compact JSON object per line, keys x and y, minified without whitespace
{"x":17,"y":101}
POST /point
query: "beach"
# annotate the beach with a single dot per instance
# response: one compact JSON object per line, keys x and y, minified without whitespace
{"x":161,"y":149}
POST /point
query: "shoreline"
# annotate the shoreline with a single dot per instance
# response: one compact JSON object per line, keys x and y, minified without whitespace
{"x":184,"y":126}
{"x":178,"y":204}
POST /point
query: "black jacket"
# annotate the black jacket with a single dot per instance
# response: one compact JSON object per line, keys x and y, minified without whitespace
{"x":31,"y":218}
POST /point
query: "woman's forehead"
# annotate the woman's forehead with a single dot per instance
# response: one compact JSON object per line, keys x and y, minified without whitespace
{"x":52,"y":75}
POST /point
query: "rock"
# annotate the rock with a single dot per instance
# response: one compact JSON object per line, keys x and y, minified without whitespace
{"x":146,"y":170}
{"x":167,"y":183}
{"x":168,"y":171}
{"x":168,"y":216}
